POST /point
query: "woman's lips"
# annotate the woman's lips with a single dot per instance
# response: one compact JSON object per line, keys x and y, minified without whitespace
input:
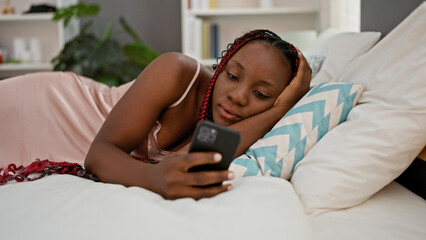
{"x":228,"y":115}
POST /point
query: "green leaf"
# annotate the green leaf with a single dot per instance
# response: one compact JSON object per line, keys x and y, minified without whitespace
{"x":129,"y":30}
{"x":85,"y":27}
{"x":108,"y":80}
{"x":140,"y":54}
{"x":75,"y":52}
{"x":126,"y":70}
{"x":77,"y":10}
{"x":107,"y":32}
{"x":103,"y":55}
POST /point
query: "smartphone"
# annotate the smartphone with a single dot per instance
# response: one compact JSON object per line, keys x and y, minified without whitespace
{"x":211,"y":137}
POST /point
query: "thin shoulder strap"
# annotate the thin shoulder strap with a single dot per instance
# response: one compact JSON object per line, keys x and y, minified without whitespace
{"x":189,"y":86}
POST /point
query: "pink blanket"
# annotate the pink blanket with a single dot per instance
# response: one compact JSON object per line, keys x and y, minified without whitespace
{"x":52,"y":115}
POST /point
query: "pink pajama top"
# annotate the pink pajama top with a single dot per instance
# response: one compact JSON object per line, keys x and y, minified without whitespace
{"x":150,"y":145}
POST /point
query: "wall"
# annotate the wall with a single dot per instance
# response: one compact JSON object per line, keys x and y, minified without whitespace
{"x":384,"y":15}
{"x":157,"y":22}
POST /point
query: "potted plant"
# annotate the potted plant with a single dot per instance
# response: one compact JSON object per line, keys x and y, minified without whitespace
{"x":101,"y":57}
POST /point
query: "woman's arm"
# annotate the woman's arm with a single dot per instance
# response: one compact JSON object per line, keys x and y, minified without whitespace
{"x":264,"y":121}
{"x":132,"y":118}
{"x":129,"y":123}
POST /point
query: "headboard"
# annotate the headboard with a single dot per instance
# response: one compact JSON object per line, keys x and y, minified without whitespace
{"x":383,"y":16}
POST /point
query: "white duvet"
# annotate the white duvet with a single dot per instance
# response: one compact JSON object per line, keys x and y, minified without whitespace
{"x":68,"y":207}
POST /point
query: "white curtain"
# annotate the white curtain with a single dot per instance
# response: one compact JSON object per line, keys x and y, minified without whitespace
{"x":341,"y":14}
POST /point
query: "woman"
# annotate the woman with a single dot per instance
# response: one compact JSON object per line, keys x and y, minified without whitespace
{"x":251,"y":89}
{"x":56,"y":116}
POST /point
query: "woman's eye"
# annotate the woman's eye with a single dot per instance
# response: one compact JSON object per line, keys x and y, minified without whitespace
{"x":260,"y":95}
{"x":233,"y":77}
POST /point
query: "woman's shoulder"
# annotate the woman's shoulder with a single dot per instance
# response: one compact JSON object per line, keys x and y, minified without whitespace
{"x":177,"y":61}
{"x":181,"y":69}
{"x":181,"y":62}
{"x":176,"y":66}
{"x":166,"y":78}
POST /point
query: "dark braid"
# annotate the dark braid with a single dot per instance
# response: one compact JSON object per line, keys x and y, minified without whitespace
{"x":287,"y":49}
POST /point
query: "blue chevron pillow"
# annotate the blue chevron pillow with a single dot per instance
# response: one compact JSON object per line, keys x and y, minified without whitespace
{"x":278,"y":152}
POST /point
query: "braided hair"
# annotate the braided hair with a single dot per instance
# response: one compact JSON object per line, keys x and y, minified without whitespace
{"x":287,"y":49}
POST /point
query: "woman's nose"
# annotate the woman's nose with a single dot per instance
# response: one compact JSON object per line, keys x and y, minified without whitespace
{"x":239,"y":96}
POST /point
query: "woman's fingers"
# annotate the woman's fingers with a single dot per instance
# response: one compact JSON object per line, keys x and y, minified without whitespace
{"x":302,"y":80}
{"x":205,"y":178}
{"x":200,"y":158}
{"x":303,"y":63}
{"x":304,"y":71}
{"x":298,"y":87}
{"x":174,"y":180}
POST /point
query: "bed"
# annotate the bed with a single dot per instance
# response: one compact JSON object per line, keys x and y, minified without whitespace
{"x":362,"y":179}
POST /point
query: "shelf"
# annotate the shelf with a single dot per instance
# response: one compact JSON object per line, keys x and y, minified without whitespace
{"x":252,"y":11}
{"x":51,"y":35}
{"x":25,"y":66}
{"x":27,"y":17}
{"x":292,"y":19}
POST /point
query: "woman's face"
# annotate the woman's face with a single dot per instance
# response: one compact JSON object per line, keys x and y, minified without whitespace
{"x":250,"y":83}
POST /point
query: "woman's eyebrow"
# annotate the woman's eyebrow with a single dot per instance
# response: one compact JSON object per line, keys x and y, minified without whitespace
{"x":264,"y":82}
{"x":237,"y":63}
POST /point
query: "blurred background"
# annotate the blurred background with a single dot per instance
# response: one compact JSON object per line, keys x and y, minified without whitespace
{"x":112,"y":41}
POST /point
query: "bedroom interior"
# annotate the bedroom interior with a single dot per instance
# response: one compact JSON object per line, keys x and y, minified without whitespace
{"x":358,"y":171}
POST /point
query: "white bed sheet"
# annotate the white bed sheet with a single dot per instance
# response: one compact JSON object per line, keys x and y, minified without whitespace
{"x":68,"y":207}
{"x":392,"y":213}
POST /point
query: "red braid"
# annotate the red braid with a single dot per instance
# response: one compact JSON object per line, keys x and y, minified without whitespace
{"x":43,"y":168}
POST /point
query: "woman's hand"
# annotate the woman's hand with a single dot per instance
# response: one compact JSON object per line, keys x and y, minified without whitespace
{"x":171,"y":179}
{"x":298,"y":87}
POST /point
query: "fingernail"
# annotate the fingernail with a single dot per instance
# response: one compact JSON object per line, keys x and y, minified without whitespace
{"x":229,"y":187}
{"x":231,"y":175}
{"x":217,"y":157}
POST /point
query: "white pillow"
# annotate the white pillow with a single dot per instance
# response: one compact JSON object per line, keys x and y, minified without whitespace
{"x":382,"y":134}
{"x":334,"y":50}
{"x":284,"y":146}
